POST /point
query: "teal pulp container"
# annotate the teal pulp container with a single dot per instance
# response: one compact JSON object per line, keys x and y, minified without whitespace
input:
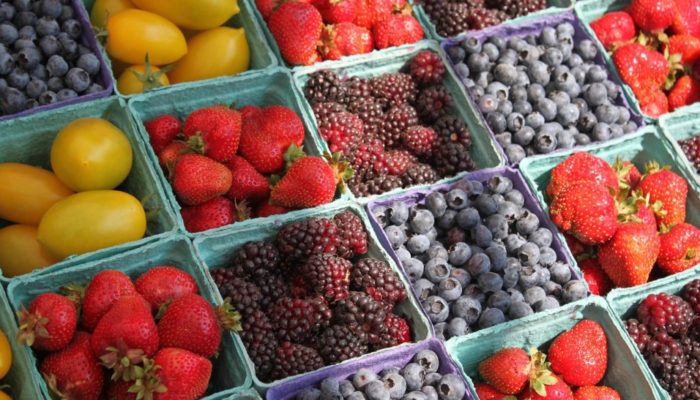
{"x":680,"y":125}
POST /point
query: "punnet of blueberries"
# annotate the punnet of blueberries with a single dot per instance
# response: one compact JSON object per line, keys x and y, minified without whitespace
{"x":476,"y":257}
{"x":417,"y":380}
{"x":42,"y":60}
{"x":541,"y":93}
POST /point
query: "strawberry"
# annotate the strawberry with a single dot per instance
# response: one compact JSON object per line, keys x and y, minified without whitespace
{"x":101,"y":293}
{"x":259,"y":148}
{"x":396,"y":30}
{"x":596,"y":393}
{"x":680,"y":249}
{"x":168,"y":157}
{"x":614,"y":28}
{"x":638,"y":208}
{"x":345,"y":39}
{"x":688,"y":17}
{"x":487,"y":392}
{"x":507,"y":371}
{"x":577,"y":248}
{"x":337,"y":11}
{"x":580,"y":355}
{"x":185,"y":374}
{"x":162,"y":131}
{"x":688,"y":46}
{"x":653,"y":15}
{"x":364,"y":14}
{"x":198,"y":179}
{"x":283,"y":125}
{"x":629,"y":256}
{"x":685,"y":92}
{"x":247,"y":183}
{"x":663,"y":185}
{"x":73,"y":373}
{"x":249,"y":111}
{"x":598,"y":282}
{"x":267,"y":7}
{"x":119,"y":390}
{"x":266,"y":209}
{"x":585,"y":210}
{"x":214,"y":213}
{"x":652,"y":101}
{"x":49,"y":324}
{"x":627,"y":173}
{"x":214,"y":131}
{"x":297,"y":29}
{"x":163,"y":284}
{"x":582,"y":167}
{"x":558,"y":390}
{"x":640,"y":67}
{"x":310,"y":182}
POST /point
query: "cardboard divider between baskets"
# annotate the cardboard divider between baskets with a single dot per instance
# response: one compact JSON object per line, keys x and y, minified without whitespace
{"x":680,"y":125}
{"x":217,"y":249}
{"x":28,"y":140}
{"x":229,"y":370}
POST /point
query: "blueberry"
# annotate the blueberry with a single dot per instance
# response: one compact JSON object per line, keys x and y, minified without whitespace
{"x":396,"y":236}
{"x":547,"y":256}
{"x":423,"y":288}
{"x":390,"y":370}
{"x":547,"y":108}
{"x":28,"y":58}
{"x":487,"y":103}
{"x":67,"y":13}
{"x":415,"y":395}
{"x":65,"y":94}
{"x":482,"y":80}
{"x":534,"y":120}
{"x":516,"y":197}
{"x":491,"y":317}
{"x":491,"y":51}
{"x":8,"y":34}
{"x":505,"y":73}
{"x":476,"y":91}
{"x":522,"y":107}
{"x":475,"y":291}
{"x":57,"y":66}
{"x":548,"y":36}
{"x":548,"y":303}
{"x":536,"y":92}
{"x":504,"y":138}
{"x":456,"y":54}
{"x":418,"y":244}
{"x":362,"y":377}
{"x":12,"y":100}
{"x":574,"y":60}
{"x":552,"y":289}
{"x":47,"y":29}
{"x":518,"y":93}
{"x":587,"y":49}
{"x":560,"y":273}
{"x":27,"y":32}
{"x":516,"y":43}
{"x":616,"y":131}
{"x":422,"y":221}
{"x":437,"y":250}
{"x":629,"y":127}
{"x":486,"y":205}
{"x":461,"y":275}
{"x":574,"y":290}
{"x":579,"y":74}
{"x":515,"y":153}
{"x":612,"y":88}
{"x":414,"y":268}
{"x":568,"y":114}
{"x":545,"y":142}
{"x":395,"y":384}
{"x":414,"y":374}
{"x":346,"y":388}
{"x":48,"y":97}
{"x":515,"y":296}
{"x":7,"y":12}
{"x":471,"y":45}
{"x":437,"y":270}
{"x":478,"y":264}
{"x":457,"y":199}
{"x":467,"y":308}
{"x":496,"y":121}
{"x":7,"y":63}
{"x":462,"y":70}
{"x":447,"y":220}
{"x":481,"y":235}
{"x":450,"y":289}
{"x":541,"y":237}
{"x":601,"y":132}
{"x":552,"y":56}
{"x":309,"y":394}
{"x":539,"y":74}
{"x":39,"y":72}
{"x":18,"y":78}
{"x":478,"y":62}
{"x":459,"y":253}
{"x":607,"y":113}
{"x":509,"y":210}
{"x":498,"y":89}
{"x":451,"y":387}
{"x":528,"y":277}
{"x":73,"y":28}
{"x":499,"y":299}
{"x":90,"y":63}
{"x":330,"y":385}
{"x":529,"y":53}
{"x":490,"y":281}
{"x":587,"y":122}
{"x":375,"y":390}
{"x":515,"y":122}
{"x":35,"y":88}
{"x":534,"y":294}
{"x":565,"y":28}
{"x":457,"y":327}
{"x":527,"y":223}
{"x":498,"y":225}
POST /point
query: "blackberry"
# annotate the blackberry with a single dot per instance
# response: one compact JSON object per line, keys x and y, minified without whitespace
{"x":245,"y":296}
{"x":451,"y":158}
{"x":357,"y":88}
{"x":691,"y":148}
{"x":419,"y":174}
{"x":664,"y":312}
{"x":325,"y":109}
{"x":352,"y":237}
{"x":367,"y":159}
{"x":427,"y":68}
{"x":377,"y":185}
{"x":517,"y":8}
{"x":378,"y":279}
{"x":295,"y":319}
{"x":328,"y":275}
{"x":397,"y":331}
{"x":691,"y":348}
{"x":272,"y":287}
{"x":255,"y":259}
{"x":481,"y":18}
{"x":399,"y":161}
{"x":299,"y":240}
{"x":370,"y":112}
{"x":294,"y":359}
{"x":691,"y":294}
{"x":324,"y":85}
{"x":433,"y":102}
{"x":396,"y":89}
{"x":342,"y":131}
{"x":397,"y":120}
{"x":638,"y":332}
{"x":419,"y":139}
{"x":453,"y":129}
{"x":259,"y":338}
{"x":453,"y":20}
{"x":360,"y":309}
{"x":669,"y":364}
{"x":341,"y":342}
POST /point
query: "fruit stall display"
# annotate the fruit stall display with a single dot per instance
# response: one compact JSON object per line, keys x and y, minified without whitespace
{"x":684,"y":127}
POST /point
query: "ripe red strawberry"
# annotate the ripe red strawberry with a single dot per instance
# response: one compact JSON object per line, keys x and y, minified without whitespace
{"x":558,"y":390}
{"x":49,"y":324}
{"x":582,"y":167}
{"x":214,"y":213}
{"x":652,"y":101}
{"x":508,"y":370}
{"x":164,"y":284}
{"x":266,"y":209}
{"x":486,"y":392}
{"x":688,"y":17}
{"x":283,"y":125}
{"x":101,"y":293}
{"x":309,"y":182}
{"x":688,"y":46}
{"x":214,"y":131}
{"x":396,"y":30}
{"x":162,"y":131}
{"x":640,"y":67}
{"x":680,"y":249}
{"x":577,"y":248}
{"x":249,"y":111}
{"x":267,"y":7}
{"x":297,"y":29}
{"x":168,"y":157}
{"x":185,"y":374}
{"x":663,"y":185}
{"x":119,"y":390}
{"x":596,"y":393}
{"x":629,"y":256}
{"x":653,"y":15}
{"x":587,"y":211}
{"x":419,"y":139}
{"x":580,"y":355}
{"x":598,"y":282}
{"x":260,"y":148}
{"x":337,"y":11}
{"x":364,"y":14}
{"x":628,"y":175}
{"x":614,"y":28}
{"x":637,"y":208}
{"x":398,"y":161}
{"x":247,"y":183}
{"x":198,"y":179}
{"x":74,"y":372}
{"x":685,"y":92}
{"x":345,"y":39}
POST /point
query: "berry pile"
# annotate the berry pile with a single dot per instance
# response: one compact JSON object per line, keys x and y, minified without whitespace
{"x":665,"y":331}
{"x":309,"y":299}
{"x":622,"y":222}
{"x":578,"y":357}
{"x":477,"y":257}
{"x":219,"y":161}
{"x":691,"y":148}
{"x":42,"y":60}
{"x":542,"y":92}
{"x":109,"y":328}
{"x":396,"y":129}
{"x":417,"y":380}
{"x":662,"y":63}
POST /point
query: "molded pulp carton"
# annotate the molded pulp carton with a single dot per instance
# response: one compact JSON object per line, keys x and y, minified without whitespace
{"x":680,"y":125}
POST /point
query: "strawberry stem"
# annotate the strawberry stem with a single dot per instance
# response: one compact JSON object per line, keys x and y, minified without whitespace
{"x":229,"y":318}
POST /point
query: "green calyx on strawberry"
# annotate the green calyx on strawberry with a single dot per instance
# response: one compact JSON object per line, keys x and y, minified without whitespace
{"x":214,"y":131}
{"x":628,"y":175}
{"x":123,"y":363}
{"x":638,"y":208}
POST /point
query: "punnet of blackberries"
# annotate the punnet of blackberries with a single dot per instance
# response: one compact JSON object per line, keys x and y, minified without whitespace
{"x":691,"y":148}
{"x":42,"y":57}
{"x":666,"y":329}
{"x":396,"y":129}
{"x":542,"y":92}
{"x":313,"y":297}
{"x":477,"y":257}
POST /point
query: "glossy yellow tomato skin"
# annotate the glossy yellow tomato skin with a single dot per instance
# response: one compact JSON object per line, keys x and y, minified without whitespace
{"x":132,"y":33}
{"x":21,"y":253}
{"x":128,"y":83}
{"x":216,"y":52}
{"x":103,"y":9}
{"x":90,"y":221}
{"x":192,"y":14}
{"x":4,"y":396}
{"x":91,"y":154}
{"x":5,"y":357}
{"x":26,"y":192}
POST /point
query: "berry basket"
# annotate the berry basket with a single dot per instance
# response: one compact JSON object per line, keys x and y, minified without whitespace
{"x":229,"y":370}
{"x":534,"y":26}
{"x":484,"y":152}
{"x":681,"y":125}
{"x":418,"y":196}
{"x":625,"y":373}
{"x":377,"y":362}
{"x":244,"y":394}
{"x":28,"y":140}
{"x":261,"y":56}
{"x":216,"y":250}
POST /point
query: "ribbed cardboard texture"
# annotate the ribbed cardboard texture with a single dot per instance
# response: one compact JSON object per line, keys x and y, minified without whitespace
{"x":535,"y":26}
{"x":398,"y":358}
{"x":417,"y":196}
{"x":28,"y":140}
{"x":625,"y":372}
{"x":484,"y":151}
{"x":104,"y":78}
{"x":217,"y":249}
{"x":229,"y":369}
{"x":261,"y":56}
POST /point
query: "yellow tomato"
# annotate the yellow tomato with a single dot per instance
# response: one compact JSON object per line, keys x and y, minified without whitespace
{"x":192,"y":14}
{"x":5,"y":356}
{"x":91,"y":154}
{"x":4,"y":396}
{"x":103,"y":9}
{"x":26,"y":192}
{"x":216,"y":52}
{"x":90,"y":221}
{"x":21,"y":253}
{"x":131,"y":34}
{"x":135,"y":79}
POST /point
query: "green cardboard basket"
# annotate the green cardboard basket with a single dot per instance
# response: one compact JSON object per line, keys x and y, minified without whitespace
{"x":242,"y":394}
{"x":261,"y":56}
{"x":626,"y":372}
{"x":217,"y":249}
{"x":485,"y":152}
{"x":681,"y":125}
{"x":230,"y":369}
{"x":28,"y":140}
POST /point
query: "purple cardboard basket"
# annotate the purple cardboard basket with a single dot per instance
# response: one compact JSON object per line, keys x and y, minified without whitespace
{"x":535,"y":26}
{"x":87,"y":39}
{"x":398,"y":357}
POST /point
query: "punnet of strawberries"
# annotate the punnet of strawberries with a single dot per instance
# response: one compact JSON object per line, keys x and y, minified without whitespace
{"x":655,"y":45}
{"x":153,"y":337}
{"x":620,"y":224}
{"x":227,"y":165}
